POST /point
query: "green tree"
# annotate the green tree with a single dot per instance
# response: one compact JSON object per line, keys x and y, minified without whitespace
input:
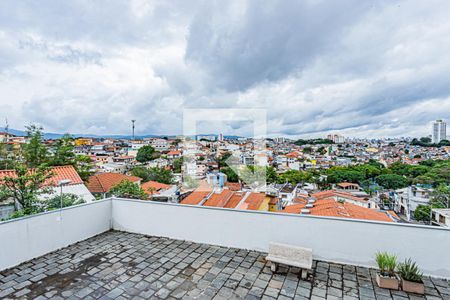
{"x":141,"y":172}
{"x":145,"y":154}
{"x":231,"y":175}
{"x":271,"y":175}
{"x":67,"y":200}
{"x":294,"y":177}
{"x":84,"y":166}
{"x":440,"y":197}
{"x":177,"y":164}
{"x":6,"y":160}
{"x":392,"y":181}
{"x":128,"y":189}
{"x":222,"y":160}
{"x":307,"y":150}
{"x":26,"y":186}
{"x":153,"y":174}
{"x":63,"y":153}
{"x":444,"y":143}
{"x":425,"y":140}
{"x":34,"y":151}
{"x":336,"y":175}
{"x":422,"y":213}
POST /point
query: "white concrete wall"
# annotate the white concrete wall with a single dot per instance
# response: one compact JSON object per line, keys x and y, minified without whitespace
{"x":332,"y":239}
{"x":29,"y":237}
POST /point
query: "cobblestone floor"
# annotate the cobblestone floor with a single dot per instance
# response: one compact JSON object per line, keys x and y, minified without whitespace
{"x":118,"y":265}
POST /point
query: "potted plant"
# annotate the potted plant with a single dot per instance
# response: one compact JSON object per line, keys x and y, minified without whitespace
{"x":411,"y":277}
{"x":387,"y":278}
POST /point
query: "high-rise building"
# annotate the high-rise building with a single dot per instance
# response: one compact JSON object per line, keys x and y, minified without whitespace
{"x":336,"y":138}
{"x":439,"y":131}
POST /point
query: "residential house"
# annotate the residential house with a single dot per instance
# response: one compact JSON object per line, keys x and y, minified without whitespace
{"x":101,"y":184}
{"x":161,"y":192}
{"x":440,"y":217}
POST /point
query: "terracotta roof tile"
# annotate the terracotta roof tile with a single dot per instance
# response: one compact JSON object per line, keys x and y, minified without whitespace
{"x":195,"y":197}
{"x":253,"y":201}
{"x":58,"y":173}
{"x":156,"y":186}
{"x":332,"y":208}
{"x":234,"y":186}
{"x":219,"y":200}
{"x":103,"y":182}
{"x":234,"y":200}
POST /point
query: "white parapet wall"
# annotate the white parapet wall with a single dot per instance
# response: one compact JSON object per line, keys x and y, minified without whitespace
{"x":332,"y":239}
{"x":30,"y":237}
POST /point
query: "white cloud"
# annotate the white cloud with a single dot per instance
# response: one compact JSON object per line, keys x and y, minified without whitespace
{"x":360,"y":68}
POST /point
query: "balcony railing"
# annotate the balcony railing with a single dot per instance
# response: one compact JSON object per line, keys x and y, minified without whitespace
{"x":332,"y":239}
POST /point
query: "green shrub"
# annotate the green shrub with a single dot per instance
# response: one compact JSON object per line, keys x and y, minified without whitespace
{"x":408,"y":270}
{"x":386,"y":263}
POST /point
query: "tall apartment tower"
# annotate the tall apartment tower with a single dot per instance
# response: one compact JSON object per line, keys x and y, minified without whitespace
{"x":439,"y":131}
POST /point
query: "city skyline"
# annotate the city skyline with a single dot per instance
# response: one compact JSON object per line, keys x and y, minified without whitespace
{"x":49,"y":134}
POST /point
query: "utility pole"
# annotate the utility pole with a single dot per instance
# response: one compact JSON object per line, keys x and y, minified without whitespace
{"x":132,"y":122}
{"x":6,"y":126}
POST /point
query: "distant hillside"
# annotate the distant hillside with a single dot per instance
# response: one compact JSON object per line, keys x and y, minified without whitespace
{"x":50,"y":135}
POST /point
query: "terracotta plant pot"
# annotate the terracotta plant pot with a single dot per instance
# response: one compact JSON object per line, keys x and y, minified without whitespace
{"x":413,"y":287}
{"x":387,"y":282}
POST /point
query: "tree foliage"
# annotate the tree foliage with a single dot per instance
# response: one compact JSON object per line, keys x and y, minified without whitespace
{"x":128,"y":189}
{"x":301,"y":142}
{"x":231,"y":175}
{"x":392,"y":181}
{"x":63,"y":153}
{"x":422,"y":213}
{"x":67,"y":200}
{"x":177,"y":164}
{"x":34,"y":152}
{"x":153,"y":174}
{"x":25,"y":187}
{"x":426,"y":142}
{"x":145,"y":154}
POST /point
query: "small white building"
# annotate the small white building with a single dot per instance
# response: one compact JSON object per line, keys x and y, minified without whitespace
{"x":440,"y":217}
{"x":407,"y":199}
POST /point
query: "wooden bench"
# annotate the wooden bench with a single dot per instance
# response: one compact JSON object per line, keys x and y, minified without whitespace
{"x":290,"y":255}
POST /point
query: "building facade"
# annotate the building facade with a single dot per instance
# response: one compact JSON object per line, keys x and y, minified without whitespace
{"x":439,"y":131}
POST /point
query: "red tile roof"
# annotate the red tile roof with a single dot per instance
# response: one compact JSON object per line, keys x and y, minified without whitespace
{"x":195,"y":197}
{"x":219,"y":200}
{"x":347,"y":184}
{"x":254,"y":201}
{"x":103,"y":182}
{"x":156,"y":186}
{"x":58,"y":173}
{"x":234,"y":186}
{"x":332,"y":208}
{"x":234,"y":200}
{"x":174,"y":152}
{"x":292,"y":155}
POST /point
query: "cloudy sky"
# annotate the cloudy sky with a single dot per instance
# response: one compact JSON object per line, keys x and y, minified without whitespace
{"x":360,"y":68}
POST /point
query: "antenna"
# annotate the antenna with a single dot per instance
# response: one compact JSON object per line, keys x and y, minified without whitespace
{"x":132,"y":126}
{"x":6,"y":126}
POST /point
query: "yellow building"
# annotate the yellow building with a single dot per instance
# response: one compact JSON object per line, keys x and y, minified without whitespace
{"x":83,"y":142}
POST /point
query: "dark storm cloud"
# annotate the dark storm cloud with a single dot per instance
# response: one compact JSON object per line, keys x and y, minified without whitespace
{"x":268,"y":41}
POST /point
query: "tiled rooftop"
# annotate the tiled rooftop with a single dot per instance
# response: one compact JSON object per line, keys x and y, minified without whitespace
{"x":118,"y":265}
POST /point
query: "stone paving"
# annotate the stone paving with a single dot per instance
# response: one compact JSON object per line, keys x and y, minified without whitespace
{"x":118,"y":265}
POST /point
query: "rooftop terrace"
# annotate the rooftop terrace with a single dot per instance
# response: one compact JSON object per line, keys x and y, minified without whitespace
{"x":120,"y":265}
{"x":119,"y":248}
